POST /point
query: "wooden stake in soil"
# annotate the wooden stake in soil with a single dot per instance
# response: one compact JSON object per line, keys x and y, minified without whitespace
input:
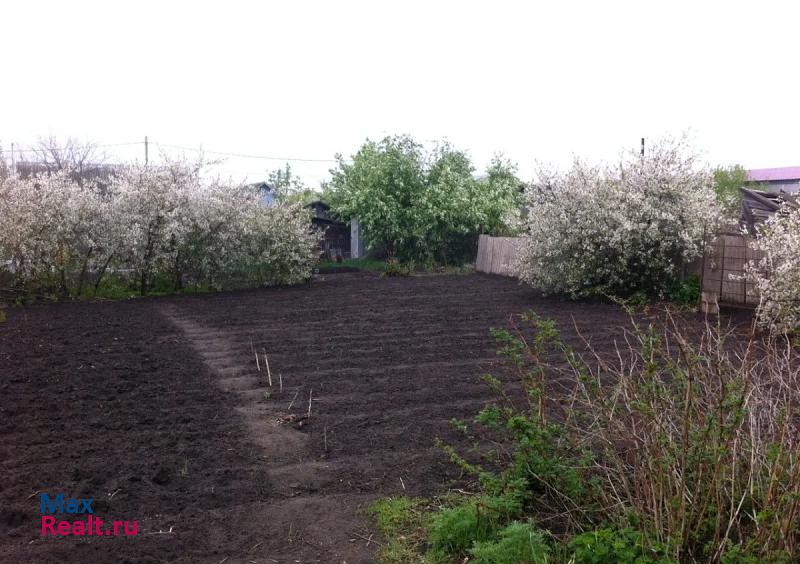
{"x":294,"y":398}
{"x":253,"y":350}
{"x":269,"y":374}
{"x":309,"y":402}
{"x":280,"y":381}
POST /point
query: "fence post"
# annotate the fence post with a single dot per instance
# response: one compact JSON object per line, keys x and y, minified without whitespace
{"x":722,"y":266}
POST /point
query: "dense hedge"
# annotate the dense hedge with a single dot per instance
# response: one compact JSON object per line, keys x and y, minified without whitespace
{"x":64,"y":235}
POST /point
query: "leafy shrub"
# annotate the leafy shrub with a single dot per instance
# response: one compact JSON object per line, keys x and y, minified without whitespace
{"x":777,"y":274}
{"x":727,"y":184}
{"x":618,"y":231}
{"x":685,"y":291}
{"x":613,"y":546}
{"x":453,"y":531}
{"x":394,"y":268}
{"x":518,"y":543}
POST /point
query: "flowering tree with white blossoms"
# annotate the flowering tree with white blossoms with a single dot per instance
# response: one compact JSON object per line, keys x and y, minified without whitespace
{"x":277,"y":245}
{"x":50,"y":226}
{"x":150,"y":208}
{"x":150,"y":222}
{"x":777,"y":274}
{"x":172,"y":222}
{"x":618,"y":230}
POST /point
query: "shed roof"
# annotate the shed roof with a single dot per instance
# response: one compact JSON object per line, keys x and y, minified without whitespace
{"x":321,"y":212}
{"x":759,"y":206}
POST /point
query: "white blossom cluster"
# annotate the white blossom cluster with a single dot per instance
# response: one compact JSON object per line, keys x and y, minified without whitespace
{"x":777,"y":274}
{"x":148,"y":222}
{"x":618,"y":230}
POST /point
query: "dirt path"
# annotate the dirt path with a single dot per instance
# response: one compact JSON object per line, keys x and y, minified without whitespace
{"x":157,"y":410}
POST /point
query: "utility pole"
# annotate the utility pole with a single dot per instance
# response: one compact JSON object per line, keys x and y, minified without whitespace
{"x":642,"y":146}
{"x":146,"y":156}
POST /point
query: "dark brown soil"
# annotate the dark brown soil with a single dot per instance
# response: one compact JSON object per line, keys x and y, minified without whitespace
{"x":157,"y":410}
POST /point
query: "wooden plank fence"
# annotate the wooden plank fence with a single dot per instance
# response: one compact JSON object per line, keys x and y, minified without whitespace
{"x":497,"y":255}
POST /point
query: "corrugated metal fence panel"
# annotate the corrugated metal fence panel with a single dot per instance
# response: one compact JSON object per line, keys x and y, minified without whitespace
{"x":497,"y":255}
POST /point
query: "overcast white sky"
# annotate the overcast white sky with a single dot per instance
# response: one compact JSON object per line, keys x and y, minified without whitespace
{"x":538,"y":81}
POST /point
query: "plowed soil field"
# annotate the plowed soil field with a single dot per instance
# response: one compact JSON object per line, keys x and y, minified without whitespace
{"x":158,"y":410}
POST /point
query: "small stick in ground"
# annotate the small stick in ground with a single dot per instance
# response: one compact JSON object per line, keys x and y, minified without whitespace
{"x":269,"y":374}
{"x":280,"y":381}
{"x":294,"y":398}
{"x":368,"y":539}
{"x":258,"y":365}
{"x":309,"y":402}
{"x":402,"y":483}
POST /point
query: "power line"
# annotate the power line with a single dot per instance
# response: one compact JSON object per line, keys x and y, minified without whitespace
{"x":169,"y":146}
{"x":244,"y":156}
{"x":73,"y":147}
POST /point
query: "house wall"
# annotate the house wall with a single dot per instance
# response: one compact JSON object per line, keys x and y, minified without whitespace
{"x":788,"y":186}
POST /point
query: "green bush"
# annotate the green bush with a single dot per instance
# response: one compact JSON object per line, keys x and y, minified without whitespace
{"x":394,"y":268}
{"x":612,"y":546}
{"x":686,"y":291}
{"x":424,"y":205}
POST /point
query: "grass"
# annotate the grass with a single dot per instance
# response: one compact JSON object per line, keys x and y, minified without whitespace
{"x":404,"y":523}
{"x":112,"y":288}
{"x":401,"y":521}
{"x":371,"y":264}
{"x":376,"y":265}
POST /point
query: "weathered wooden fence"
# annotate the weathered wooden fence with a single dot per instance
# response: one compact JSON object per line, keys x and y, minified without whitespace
{"x":497,"y":255}
{"x":721,"y":271}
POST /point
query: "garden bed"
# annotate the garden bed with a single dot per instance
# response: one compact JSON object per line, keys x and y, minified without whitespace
{"x":157,"y":410}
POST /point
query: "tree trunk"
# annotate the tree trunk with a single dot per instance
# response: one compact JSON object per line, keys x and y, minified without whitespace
{"x":82,"y":277}
{"x":178,"y":280}
{"x":143,"y":282}
{"x":102,"y":273}
{"x":63,"y":276}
